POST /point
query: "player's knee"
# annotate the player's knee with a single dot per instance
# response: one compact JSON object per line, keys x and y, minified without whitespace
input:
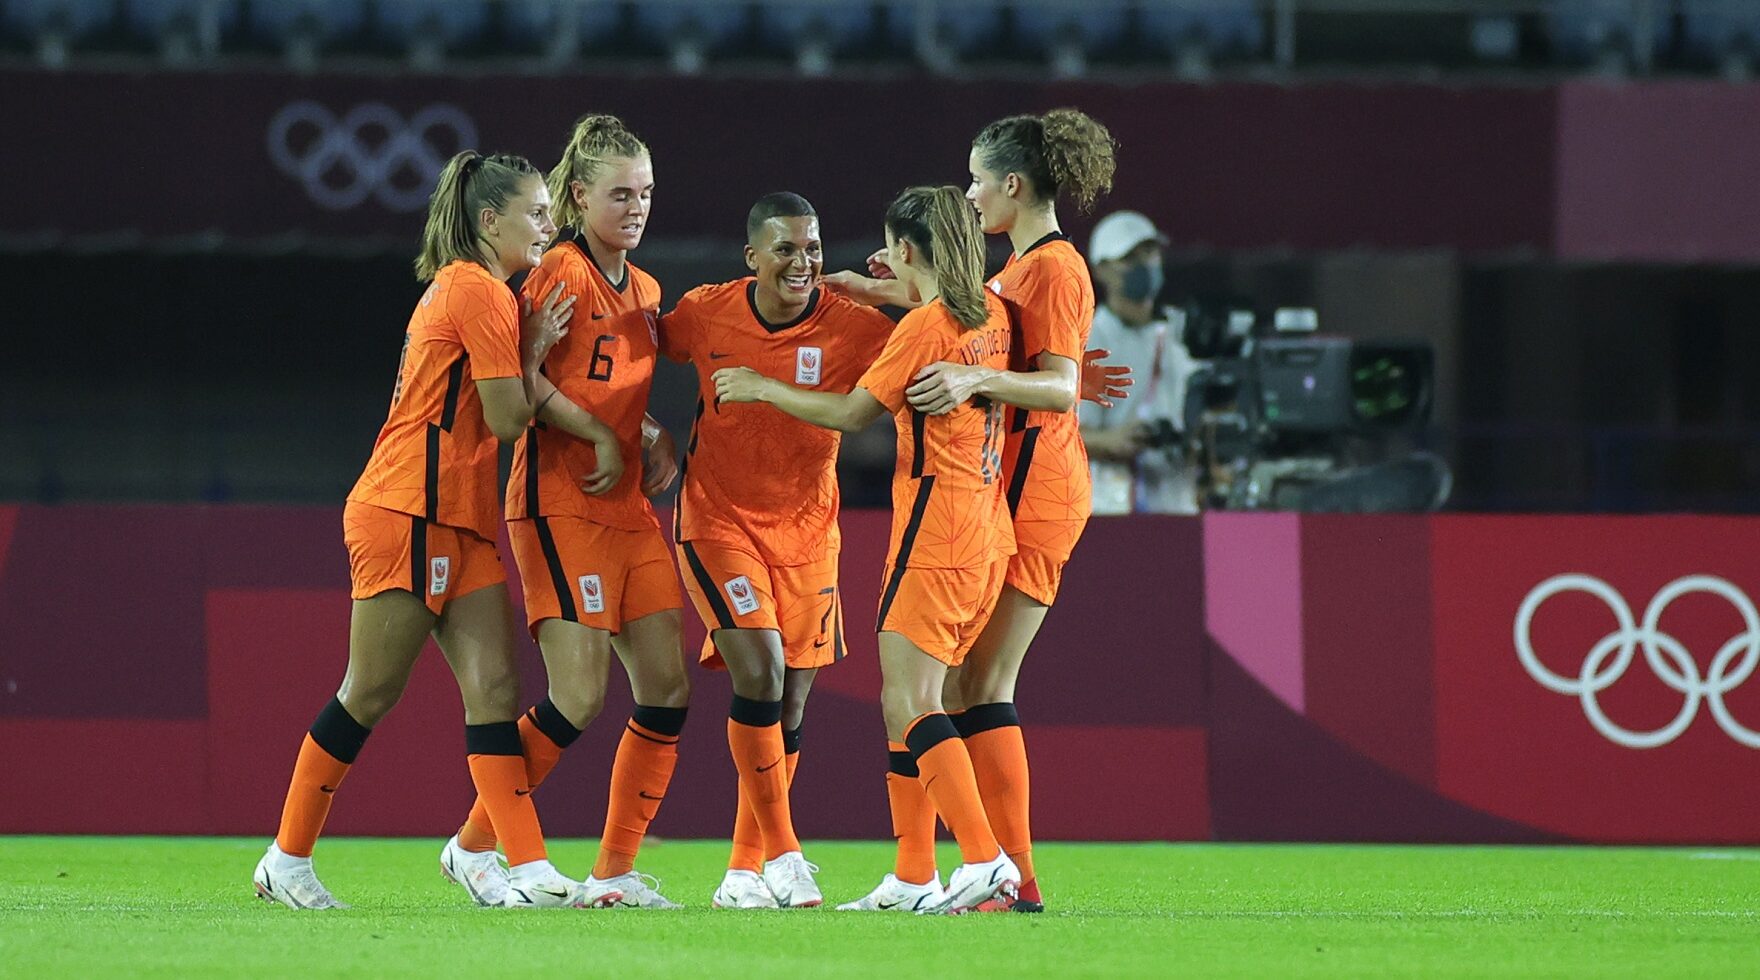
{"x":490,"y":689}
{"x":369,"y":702}
{"x":580,"y":705}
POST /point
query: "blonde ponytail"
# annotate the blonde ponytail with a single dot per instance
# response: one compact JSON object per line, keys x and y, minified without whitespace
{"x":594,"y":141}
{"x":940,"y":222}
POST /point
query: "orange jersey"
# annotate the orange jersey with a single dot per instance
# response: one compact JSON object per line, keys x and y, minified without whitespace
{"x":1052,"y":297}
{"x":606,"y":366}
{"x":753,"y":476}
{"x":436,"y":458}
{"x":947,"y":504}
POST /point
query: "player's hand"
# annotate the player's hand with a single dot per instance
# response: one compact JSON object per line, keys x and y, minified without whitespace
{"x":1102,"y":383}
{"x":942,"y":387}
{"x":878,"y":267}
{"x":607,"y":466}
{"x":659,"y":464}
{"x":739,"y":384}
{"x":541,"y":329}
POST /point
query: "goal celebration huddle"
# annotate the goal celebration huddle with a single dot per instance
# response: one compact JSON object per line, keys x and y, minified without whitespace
{"x":990,"y":494}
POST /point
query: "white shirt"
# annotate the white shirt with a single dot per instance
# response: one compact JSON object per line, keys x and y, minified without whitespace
{"x":1160,"y":481}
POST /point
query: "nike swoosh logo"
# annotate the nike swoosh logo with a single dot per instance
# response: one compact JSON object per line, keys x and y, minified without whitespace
{"x":600,"y":316}
{"x":716,"y":357}
{"x":769,"y":767}
{"x":552,"y":894}
{"x":890,"y":905}
{"x":522,"y":792}
{"x":326,"y":789}
{"x":818,"y":643}
{"x":644,"y":795}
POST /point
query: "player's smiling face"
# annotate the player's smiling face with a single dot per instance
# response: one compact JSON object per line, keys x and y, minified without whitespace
{"x":616,"y":204}
{"x":787,"y":257}
{"x":989,"y":196}
{"x":522,"y":231}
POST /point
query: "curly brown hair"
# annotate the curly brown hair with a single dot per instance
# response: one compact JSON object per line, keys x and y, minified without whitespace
{"x":1064,"y":151}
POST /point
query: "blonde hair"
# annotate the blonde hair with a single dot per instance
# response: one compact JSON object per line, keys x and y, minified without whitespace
{"x":594,"y":142}
{"x":941,"y":222}
{"x":469,"y":183}
{"x":1065,"y":151}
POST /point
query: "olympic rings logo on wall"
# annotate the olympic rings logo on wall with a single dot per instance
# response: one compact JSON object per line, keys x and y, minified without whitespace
{"x":370,"y":151}
{"x":1665,"y":656}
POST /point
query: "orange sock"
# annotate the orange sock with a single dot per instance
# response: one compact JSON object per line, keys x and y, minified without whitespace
{"x":754,"y":736}
{"x":946,"y":773}
{"x":643,"y":769}
{"x":543,"y":734}
{"x":913,"y":818}
{"x":748,"y":842}
{"x":327,"y":751}
{"x":999,"y":758}
{"x":498,"y":769}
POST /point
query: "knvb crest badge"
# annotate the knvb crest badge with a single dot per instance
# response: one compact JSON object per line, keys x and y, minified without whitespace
{"x":592,"y":594}
{"x":808,"y":365}
{"x":745,"y":598}
{"x":439,"y":574}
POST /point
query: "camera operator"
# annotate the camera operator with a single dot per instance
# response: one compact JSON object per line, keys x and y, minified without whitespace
{"x":1135,"y":448}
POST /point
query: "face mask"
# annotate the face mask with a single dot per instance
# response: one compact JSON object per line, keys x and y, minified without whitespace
{"x":1142,"y":282}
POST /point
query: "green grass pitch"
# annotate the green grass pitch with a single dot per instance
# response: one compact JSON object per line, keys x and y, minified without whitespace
{"x":179,"y":907}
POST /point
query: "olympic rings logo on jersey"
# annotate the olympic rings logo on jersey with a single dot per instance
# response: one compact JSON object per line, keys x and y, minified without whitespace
{"x":341,"y":165}
{"x":1666,"y":657}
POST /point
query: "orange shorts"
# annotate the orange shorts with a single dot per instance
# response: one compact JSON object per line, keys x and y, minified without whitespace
{"x":1042,"y":548}
{"x":941,"y":610}
{"x":733,"y":588}
{"x":591,"y":574}
{"x":388,"y":550}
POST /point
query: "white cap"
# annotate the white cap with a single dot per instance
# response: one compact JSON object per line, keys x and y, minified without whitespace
{"x":1118,"y":233}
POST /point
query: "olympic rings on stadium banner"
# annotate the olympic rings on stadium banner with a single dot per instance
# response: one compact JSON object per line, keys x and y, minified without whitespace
{"x":336,"y":147}
{"x":1666,"y":656}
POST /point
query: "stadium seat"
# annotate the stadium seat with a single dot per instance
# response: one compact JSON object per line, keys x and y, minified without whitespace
{"x":1222,"y":27}
{"x":1069,"y":32}
{"x":428,"y":29}
{"x":946,"y":33}
{"x":53,"y":27}
{"x":815,"y":31}
{"x":1725,"y":33}
{"x":183,"y":31}
{"x":557,"y":29}
{"x":1610,"y":35}
{"x":690,"y":31}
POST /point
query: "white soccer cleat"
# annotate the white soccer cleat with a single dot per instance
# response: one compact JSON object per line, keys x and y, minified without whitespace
{"x":971,"y":885}
{"x":639,"y":891}
{"x":538,"y":885}
{"x":743,"y":890}
{"x":281,"y":877}
{"x":483,"y":875}
{"x":790,"y":878}
{"x":893,"y":895}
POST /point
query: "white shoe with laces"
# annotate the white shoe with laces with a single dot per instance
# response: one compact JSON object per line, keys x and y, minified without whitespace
{"x":538,"y":885}
{"x":790,"y":878}
{"x":894,"y":895}
{"x":639,"y":891}
{"x":743,"y":890}
{"x":281,"y":877}
{"x":482,"y":874}
{"x":971,"y":885}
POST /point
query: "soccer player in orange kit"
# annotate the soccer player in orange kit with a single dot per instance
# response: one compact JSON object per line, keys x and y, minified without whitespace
{"x":951,"y":534}
{"x":598,"y":572}
{"x":757,"y":521}
{"x":421,"y":523}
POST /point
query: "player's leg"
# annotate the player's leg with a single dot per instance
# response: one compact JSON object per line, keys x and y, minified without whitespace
{"x":910,"y":700}
{"x":386,"y":633}
{"x":652,"y":651}
{"x":989,"y":722}
{"x":476,"y":635}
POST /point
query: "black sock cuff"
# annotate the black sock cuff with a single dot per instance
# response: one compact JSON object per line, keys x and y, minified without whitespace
{"x":983,"y":717}
{"x":902,"y":764}
{"x":660,"y":721}
{"x":791,"y":740}
{"x":931,"y":731}
{"x":547,"y":719}
{"x":499,"y":738}
{"x":757,"y":714}
{"x":337,"y":733}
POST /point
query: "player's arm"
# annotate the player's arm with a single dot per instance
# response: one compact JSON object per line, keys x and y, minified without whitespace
{"x":659,"y":457}
{"x":878,"y":288}
{"x":511,"y":400}
{"x":826,"y":409}
{"x":557,"y":409}
{"x":943,"y":386}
